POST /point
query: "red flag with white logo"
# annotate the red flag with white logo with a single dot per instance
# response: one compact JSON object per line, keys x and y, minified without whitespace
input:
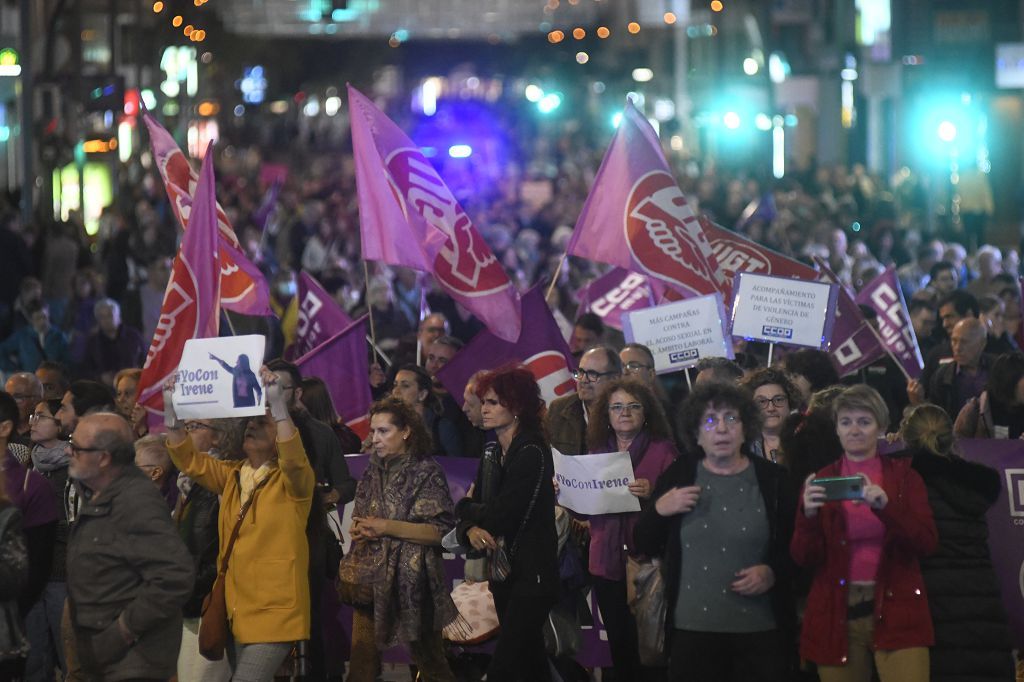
{"x":408,"y":217}
{"x":637,"y":218}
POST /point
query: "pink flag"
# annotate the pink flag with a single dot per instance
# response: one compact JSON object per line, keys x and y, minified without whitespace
{"x":884,"y":295}
{"x":614,"y":294}
{"x":854,"y":344}
{"x":409,"y":217}
{"x":243,"y":288}
{"x":636,"y":217}
{"x":191,"y":307}
{"x":541,"y":347}
{"x":320,"y":317}
{"x":342,"y":363}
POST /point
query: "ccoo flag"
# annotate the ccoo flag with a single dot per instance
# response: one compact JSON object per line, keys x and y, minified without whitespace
{"x":854,"y":344}
{"x":884,"y":295}
{"x":191,"y":307}
{"x":541,"y":347}
{"x":614,"y":294}
{"x":319,"y":318}
{"x":409,"y":217}
{"x":342,"y":363}
{"x":243,"y":288}
{"x":637,"y":218}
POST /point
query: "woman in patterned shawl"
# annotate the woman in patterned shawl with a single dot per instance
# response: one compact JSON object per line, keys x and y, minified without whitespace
{"x":402,"y":510}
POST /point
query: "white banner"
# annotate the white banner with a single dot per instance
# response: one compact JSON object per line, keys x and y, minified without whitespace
{"x":795,"y":312}
{"x":680,"y":334}
{"x":220,"y":378}
{"x":595,"y":484}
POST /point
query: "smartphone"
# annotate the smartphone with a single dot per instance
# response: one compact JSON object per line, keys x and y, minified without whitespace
{"x":842,"y":487}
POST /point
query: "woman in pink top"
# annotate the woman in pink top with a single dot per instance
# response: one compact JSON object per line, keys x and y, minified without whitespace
{"x":626,"y":418}
{"x":867,"y":607}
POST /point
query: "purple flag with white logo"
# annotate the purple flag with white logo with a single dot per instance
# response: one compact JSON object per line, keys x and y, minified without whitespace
{"x":341,"y":361}
{"x":320,"y":317}
{"x":884,"y":296}
{"x":854,"y":344}
{"x":614,"y":294}
{"x":541,"y":347}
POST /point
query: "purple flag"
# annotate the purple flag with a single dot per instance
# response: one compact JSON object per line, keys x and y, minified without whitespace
{"x":614,"y":294}
{"x":854,"y":344}
{"x":320,"y":317}
{"x":541,"y":347}
{"x":884,"y":296}
{"x":342,"y":363}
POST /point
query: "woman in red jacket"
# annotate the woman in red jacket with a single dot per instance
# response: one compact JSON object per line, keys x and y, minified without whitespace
{"x":867,"y":599}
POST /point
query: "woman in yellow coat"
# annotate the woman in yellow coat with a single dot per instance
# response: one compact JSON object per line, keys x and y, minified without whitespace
{"x":266,"y":586}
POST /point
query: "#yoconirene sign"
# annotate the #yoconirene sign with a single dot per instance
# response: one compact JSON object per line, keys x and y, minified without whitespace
{"x":794,"y":312}
{"x":680,"y":334}
{"x":219,"y":378}
{"x":595,"y":484}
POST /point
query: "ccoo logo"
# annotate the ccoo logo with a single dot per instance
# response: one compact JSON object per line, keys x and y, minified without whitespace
{"x":665,"y":237}
{"x":465,"y":264}
{"x":552,"y":374}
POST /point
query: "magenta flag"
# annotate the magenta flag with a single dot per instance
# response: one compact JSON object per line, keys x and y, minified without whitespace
{"x":408,"y":217}
{"x":854,"y":344}
{"x":614,"y":294}
{"x":243,"y":287}
{"x":884,"y":295}
{"x":320,"y":317}
{"x":341,"y":361}
{"x":191,"y":307}
{"x":636,"y":217}
{"x":541,"y":347}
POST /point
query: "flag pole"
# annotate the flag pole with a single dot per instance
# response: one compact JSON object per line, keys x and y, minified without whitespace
{"x":423,"y":306}
{"x":771,"y":348}
{"x":369,"y":310}
{"x":892,"y":355}
{"x":554,"y":280}
{"x":227,"y":316}
{"x":689,"y":384}
{"x":379,"y":352}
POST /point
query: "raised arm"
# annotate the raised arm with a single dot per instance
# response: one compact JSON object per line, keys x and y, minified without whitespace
{"x":298,"y":474}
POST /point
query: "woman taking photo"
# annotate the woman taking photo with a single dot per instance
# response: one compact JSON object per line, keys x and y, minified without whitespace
{"x":776,"y":396}
{"x":520,"y":516}
{"x":868,"y":606}
{"x":626,"y":418}
{"x":401,"y":511}
{"x":722,"y":523}
{"x":971,"y":636}
{"x":266,"y":585}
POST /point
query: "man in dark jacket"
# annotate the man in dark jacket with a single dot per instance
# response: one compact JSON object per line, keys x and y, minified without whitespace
{"x":565,"y":423}
{"x":957,"y":381}
{"x":129,"y":573}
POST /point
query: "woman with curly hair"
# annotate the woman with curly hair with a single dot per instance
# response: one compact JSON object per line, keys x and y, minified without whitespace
{"x":776,"y":396}
{"x":518,"y":513}
{"x":401,"y":511}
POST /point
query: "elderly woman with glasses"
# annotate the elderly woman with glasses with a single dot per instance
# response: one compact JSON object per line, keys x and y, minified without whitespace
{"x":721,"y":522}
{"x":626,"y":418}
{"x":776,"y":396}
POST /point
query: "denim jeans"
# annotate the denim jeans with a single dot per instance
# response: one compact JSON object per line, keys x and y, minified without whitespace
{"x":42,"y":627}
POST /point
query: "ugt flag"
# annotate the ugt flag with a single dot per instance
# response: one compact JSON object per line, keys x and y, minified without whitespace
{"x":637,"y":218}
{"x":614,"y":294}
{"x":191,"y":307}
{"x":541,"y":347}
{"x":319,"y":318}
{"x":884,"y":295}
{"x":408,"y":217}
{"x":854,"y":344}
{"x":342,"y":363}
{"x":243,"y":288}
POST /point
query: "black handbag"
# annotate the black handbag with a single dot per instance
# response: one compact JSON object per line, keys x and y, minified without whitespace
{"x":501,"y":560}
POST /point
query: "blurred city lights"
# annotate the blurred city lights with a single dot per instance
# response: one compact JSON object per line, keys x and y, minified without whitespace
{"x":762,"y":122}
{"x":158,"y":6}
{"x":312,"y":107}
{"x":778,"y":67}
{"x":549,"y":103}
{"x":534,"y":93}
{"x":716,"y":5}
{"x":676,"y":142}
{"x":616,"y":119}
{"x":556,"y":37}
{"x":332,"y":105}
{"x":642,"y":75}
{"x":579,"y":33}
{"x":731,"y":120}
{"x":670,"y":18}
{"x":778,"y":152}
{"x":188,"y":30}
{"x":582,"y":57}
{"x":603,"y":32}
{"x":239,"y":110}
{"x":460,"y":151}
{"x":750,"y":66}
{"x":947,"y":131}
{"x":176,"y":21}
{"x":633,"y":27}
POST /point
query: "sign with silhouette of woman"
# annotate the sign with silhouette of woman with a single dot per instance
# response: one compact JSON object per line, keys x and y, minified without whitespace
{"x":218,"y":378}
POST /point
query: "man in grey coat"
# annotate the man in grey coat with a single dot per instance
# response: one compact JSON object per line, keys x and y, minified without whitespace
{"x":129,"y":572}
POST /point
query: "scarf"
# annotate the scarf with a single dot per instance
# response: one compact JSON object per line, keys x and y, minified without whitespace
{"x":50,"y":459}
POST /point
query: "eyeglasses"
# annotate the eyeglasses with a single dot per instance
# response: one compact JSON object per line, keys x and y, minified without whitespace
{"x":776,"y":400}
{"x":36,"y":418}
{"x":712,"y":422}
{"x":591,"y":375}
{"x":77,"y":450}
{"x":198,"y":426}
{"x":637,"y":366}
{"x":619,"y":408}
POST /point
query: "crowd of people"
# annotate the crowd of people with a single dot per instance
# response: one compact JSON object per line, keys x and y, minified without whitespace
{"x":116,"y":544}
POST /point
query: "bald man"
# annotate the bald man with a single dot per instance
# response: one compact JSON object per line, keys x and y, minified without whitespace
{"x":129,"y":572}
{"x":27,"y":391}
{"x":962,"y":377}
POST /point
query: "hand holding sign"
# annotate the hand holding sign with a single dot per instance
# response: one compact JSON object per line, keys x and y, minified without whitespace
{"x":641,"y":487}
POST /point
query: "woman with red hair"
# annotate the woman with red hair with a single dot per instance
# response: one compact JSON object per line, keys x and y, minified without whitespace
{"x":516,"y":508}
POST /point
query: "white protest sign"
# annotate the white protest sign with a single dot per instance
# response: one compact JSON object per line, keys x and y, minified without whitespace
{"x":795,"y":312}
{"x":680,"y":334}
{"x":220,"y":378}
{"x":595,"y":484}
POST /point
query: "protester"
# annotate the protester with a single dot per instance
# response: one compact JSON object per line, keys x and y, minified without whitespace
{"x":954,"y":383}
{"x":868,"y":607}
{"x":30,"y":345}
{"x":971,"y":635}
{"x":128,"y":571}
{"x":521,"y":517}
{"x":627,"y":417}
{"x":27,"y":391}
{"x":565,"y":423}
{"x":54,"y":378}
{"x":316,"y":398}
{"x":402,"y":510}
{"x":14,"y":568}
{"x":776,"y":396}
{"x":152,"y":458}
{"x":717,"y":369}
{"x":267,"y":586}
{"x":112,"y":345}
{"x":638,"y":363}
{"x":808,"y":440}
{"x":414,"y":387}
{"x":998,"y":411}
{"x":126,"y":389}
{"x":587,"y":332}
{"x":721,"y":522}
{"x":810,"y":370}
{"x":991,"y":312}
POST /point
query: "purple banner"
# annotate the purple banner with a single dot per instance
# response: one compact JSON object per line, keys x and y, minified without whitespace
{"x":460,"y":472}
{"x":614,"y":294}
{"x":884,"y":296}
{"x":854,"y":344}
{"x":541,"y":347}
{"x":320,"y":317}
{"x":342,"y":363}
